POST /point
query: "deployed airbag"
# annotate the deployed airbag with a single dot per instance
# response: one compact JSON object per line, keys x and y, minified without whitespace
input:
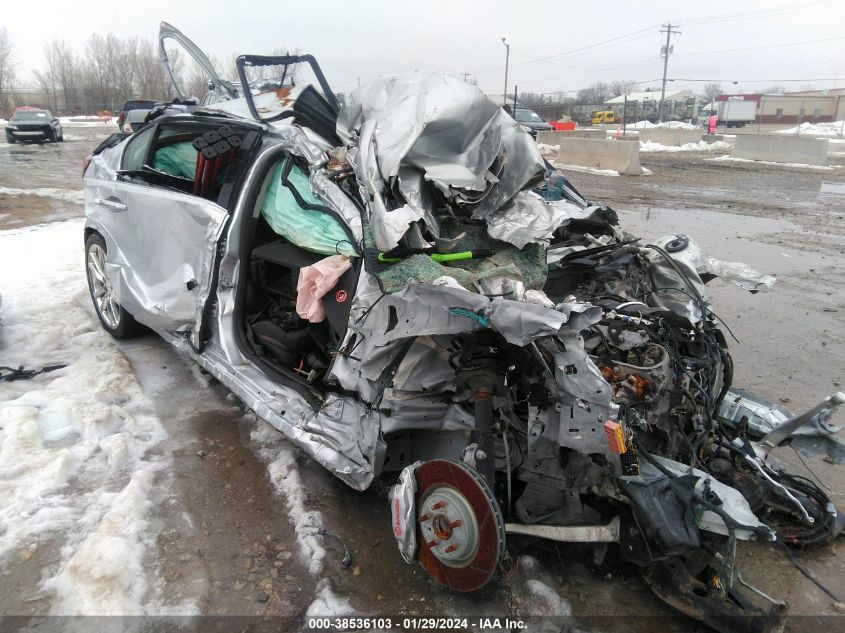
{"x":286,"y":209}
{"x":178,"y":159}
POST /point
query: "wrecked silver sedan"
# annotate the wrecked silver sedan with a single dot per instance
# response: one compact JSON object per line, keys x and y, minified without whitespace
{"x":402,"y":285}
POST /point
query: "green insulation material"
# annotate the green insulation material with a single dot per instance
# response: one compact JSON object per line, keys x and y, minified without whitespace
{"x":311,"y":229}
{"x":527,"y":264}
{"x":178,"y":159}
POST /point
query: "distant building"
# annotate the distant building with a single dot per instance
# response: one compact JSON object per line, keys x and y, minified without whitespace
{"x":811,"y":106}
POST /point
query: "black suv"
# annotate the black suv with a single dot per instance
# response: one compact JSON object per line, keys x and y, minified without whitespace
{"x":32,"y":124}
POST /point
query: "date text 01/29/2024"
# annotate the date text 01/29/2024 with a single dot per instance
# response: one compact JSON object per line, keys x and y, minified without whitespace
{"x":414,"y":624}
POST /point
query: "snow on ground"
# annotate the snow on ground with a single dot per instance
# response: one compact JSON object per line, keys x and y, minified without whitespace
{"x":68,"y":195}
{"x":727,"y":158}
{"x":76,"y":469}
{"x":700,"y":146}
{"x":831,"y":128}
{"x":87,"y":121}
{"x":534,"y":591}
{"x":645,"y":125}
{"x":281,"y":457}
{"x":328,"y":603}
{"x":588,"y":170}
{"x":593,"y":170}
{"x":545,"y":148}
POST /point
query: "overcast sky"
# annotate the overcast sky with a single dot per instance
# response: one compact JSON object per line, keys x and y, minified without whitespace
{"x":365,"y":38}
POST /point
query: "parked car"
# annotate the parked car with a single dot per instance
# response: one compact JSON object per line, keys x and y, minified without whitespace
{"x":133,"y":104}
{"x":33,"y":124}
{"x":531,"y":121}
{"x":387,"y":285}
{"x":135,"y":119}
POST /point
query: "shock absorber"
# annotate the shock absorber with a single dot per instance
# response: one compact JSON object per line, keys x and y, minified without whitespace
{"x":480,"y":368}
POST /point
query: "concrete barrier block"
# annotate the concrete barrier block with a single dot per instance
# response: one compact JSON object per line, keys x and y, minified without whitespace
{"x":601,"y":154}
{"x":781,"y":149}
{"x":552,"y":137}
{"x":670,"y":136}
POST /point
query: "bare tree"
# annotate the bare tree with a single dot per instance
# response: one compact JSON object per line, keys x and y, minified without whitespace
{"x":622,"y":87}
{"x":775,"y":90}
{"x":125,"y":68}
{"x":150,"y":74}
{"x":711,"y":91}
{"x":67,"y":69}
{"x":597,"y":93}
{"x":48,"y":78}
{"x":8,"y":64}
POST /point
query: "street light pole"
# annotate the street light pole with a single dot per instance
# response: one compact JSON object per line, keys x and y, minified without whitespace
{"x":507,"y":60}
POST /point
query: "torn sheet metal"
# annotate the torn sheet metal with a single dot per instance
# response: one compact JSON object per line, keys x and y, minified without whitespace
{"x":732,"y":501}
{"x":688,"y":255}
{"x":527,"y":219}
{"x":450,"y":132}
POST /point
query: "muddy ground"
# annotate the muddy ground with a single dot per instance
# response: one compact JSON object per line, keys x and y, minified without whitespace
{"x":224,"y":537}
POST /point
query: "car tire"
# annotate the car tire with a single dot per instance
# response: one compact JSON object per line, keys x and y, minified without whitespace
{"x":10,"y":140}
{"x":113,"y":317}
{"x":61,"y":138}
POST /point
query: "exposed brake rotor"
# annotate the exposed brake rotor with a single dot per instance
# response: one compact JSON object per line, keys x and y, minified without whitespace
{"x":459,"y":524}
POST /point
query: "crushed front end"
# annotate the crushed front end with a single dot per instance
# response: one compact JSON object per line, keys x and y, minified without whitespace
{"x":539,"y":371}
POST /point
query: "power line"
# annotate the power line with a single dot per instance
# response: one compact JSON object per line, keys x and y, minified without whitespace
{"x":629,"y":37}
{"x":753,"y":48}
{"x":751,"y":81}
{"x":758,"y":13}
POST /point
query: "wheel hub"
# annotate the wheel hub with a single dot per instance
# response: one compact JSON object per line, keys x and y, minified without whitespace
{"x":460,"y":527}
{"x":448,"y":526}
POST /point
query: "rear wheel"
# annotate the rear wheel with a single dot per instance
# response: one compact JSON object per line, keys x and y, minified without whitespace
{"x":113,"y":317}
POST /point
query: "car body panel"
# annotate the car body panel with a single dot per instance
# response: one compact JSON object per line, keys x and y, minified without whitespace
{"x":160,"y":250}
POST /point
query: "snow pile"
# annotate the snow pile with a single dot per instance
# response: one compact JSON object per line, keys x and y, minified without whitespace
{"x":545,"y":148}
{"x":328,"y":603}
{"x":587,"y":170}
{"x":284,"y":474}
{"x":831,"y":128}
{"x":728,"y":158}
{"x":701,"y":146}
{"x":672,"y":125}
{"x":67,"y":195}
{"x":87,"y":121}
{"x":536,"y":595}
{"x":593,"y":170}
{"x":76,"y":472}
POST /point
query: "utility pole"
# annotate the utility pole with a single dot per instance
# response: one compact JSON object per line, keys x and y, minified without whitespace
{"x":665,"y":51}
{"x":466,"y":76}
{"x":507,"y":60}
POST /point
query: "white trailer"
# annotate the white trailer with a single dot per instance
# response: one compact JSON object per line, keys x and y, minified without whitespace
{"x":733,"y":112}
